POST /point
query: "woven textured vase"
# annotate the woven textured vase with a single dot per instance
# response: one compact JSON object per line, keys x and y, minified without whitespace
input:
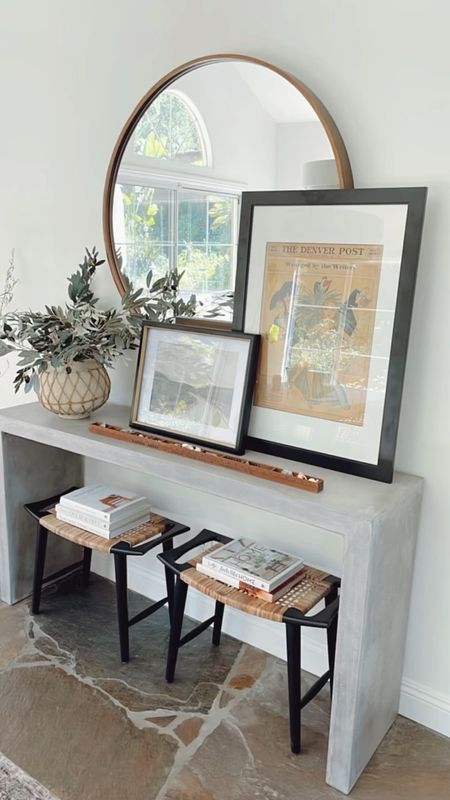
{"x":77,"y":393}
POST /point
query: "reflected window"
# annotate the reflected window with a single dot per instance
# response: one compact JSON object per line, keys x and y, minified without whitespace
{"x":194,"y":230}
{"x":143,"y":230}
{"x":172,"y":130}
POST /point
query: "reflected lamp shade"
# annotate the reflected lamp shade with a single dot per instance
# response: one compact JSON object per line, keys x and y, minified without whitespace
{"x":320,"y":174}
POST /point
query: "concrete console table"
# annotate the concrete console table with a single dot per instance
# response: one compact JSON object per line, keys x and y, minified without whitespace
{"x":42,"y":453}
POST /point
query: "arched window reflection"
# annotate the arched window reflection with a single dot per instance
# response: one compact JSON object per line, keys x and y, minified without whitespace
{"x":173,"y":130}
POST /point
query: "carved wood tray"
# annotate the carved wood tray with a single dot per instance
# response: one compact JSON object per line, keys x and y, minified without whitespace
{"x":299,"y":480}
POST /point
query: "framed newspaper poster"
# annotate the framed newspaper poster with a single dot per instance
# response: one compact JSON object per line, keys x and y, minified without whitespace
{"x":327,"y":279}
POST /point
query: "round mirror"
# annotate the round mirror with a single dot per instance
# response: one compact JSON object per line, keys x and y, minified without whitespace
{"x":208,"y":131}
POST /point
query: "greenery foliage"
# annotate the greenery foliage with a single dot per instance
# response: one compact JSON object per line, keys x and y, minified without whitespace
{"x":80,"y":331}
{"x":160,"y":303}
{"x":58,"y":336}
{"x":162,"y":300}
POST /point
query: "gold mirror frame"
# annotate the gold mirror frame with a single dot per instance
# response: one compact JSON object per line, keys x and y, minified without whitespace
{"x":343,"y":167}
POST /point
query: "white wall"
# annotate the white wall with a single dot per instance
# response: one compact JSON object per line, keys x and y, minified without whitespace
{"x":70,"y":74}
{"x":298,"y":143}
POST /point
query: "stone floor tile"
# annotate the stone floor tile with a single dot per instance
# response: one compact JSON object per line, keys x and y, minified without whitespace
{"x":248,"y":668}
{"x":411,"y":762}
{"x":225,"y":698}
{"x":12,"y":633}
{"x":189,"y":729}
{"x":161,"y":721}
{"x":85,"y":623}
{"x":189,"y":787}
{"x":247,"y":755}
{"x":75,"y":742}
{"x":86,"y":726}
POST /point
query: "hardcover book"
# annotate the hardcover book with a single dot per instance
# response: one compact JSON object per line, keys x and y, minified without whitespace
{"x":255,"y":564}
{"x":82,"y":519}
{"x":106,"y":503}
{"x":95,"y":527}
{"x":268,"y":597}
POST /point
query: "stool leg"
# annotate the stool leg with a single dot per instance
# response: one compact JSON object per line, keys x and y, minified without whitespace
{"x":170,"y":579}
{"x":331,"y":639}
{"x":175,"y":628}
{"x":293,"y":643}
{"x":39,"y":565}
{"x":217,"y":628}
{"x":87,"y":558}
{"x":120,"y":565}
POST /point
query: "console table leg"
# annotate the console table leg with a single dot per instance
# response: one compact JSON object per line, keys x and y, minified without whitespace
{"x":29,"y":471}
{"x":373,"y":614}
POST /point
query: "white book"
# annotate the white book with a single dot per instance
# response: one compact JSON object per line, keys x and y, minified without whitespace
{"x":219,"y":576}
{"x":85,"y":518}
{"x":268,"y":597}
{"x":259,"y":566}
{"x":125,"y":528}
{"x":104,"y":502}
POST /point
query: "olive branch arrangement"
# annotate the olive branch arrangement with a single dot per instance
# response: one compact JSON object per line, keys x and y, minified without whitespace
{"x":79,"y":330}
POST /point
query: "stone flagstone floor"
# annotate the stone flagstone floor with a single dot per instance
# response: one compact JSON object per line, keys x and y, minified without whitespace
{"x":86,"y":726}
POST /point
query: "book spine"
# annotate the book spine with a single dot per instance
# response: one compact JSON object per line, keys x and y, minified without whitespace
{"x":212,"y":573}
{"x":239,"y":575}
{"x":73,"y":515}
{"x":133,"y":509}
{"x":106,"y":524}
{"x":275,"y":594}
{"x":116,"y":515}
{"x":106,"y":534}
{"x":131,"y":513}
{"x":73,"y":507}
{"x":85,"y":526}
{"x":260,"y":594}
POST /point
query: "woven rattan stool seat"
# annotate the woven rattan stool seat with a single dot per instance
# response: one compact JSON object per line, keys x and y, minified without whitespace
{"x":155,"y":526}
{"x":157,"y":532}
{"x":312,"y":587}
{"x":291,"y":610}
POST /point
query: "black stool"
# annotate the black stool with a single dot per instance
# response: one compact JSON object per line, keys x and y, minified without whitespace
{"x":158,"y":531}
{"x":291,"y":609}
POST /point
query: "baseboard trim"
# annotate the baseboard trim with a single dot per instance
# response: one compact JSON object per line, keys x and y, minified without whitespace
{"x":417,"y":702}
{"x":426,"y":706}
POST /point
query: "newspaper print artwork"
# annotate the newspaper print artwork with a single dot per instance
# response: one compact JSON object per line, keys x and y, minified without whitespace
{"x":317,"y":326}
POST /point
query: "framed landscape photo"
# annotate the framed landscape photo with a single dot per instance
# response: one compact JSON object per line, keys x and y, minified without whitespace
{"x":195,"y":384}
{"x":327,"y":279}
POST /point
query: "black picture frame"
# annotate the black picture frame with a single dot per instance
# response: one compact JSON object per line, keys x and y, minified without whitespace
{"x":247,"y":382}
{"x":414,"y":198}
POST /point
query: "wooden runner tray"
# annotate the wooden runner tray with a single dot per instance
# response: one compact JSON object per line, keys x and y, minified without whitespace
{"x":299,"y":480}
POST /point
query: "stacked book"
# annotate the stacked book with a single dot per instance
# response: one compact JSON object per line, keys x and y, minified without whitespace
{"x":103,"y":510}
{"x":261,"y":571}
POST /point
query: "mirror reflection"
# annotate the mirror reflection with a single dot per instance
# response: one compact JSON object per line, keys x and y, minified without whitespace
{"x":220,"y":130}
